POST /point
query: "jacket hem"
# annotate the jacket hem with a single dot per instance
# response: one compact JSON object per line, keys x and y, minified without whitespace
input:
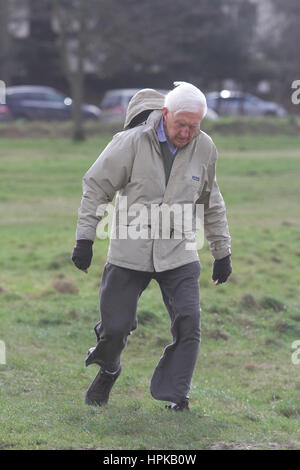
{"x":175,"y":265}
{"x":129,"y":265}
{"x":147,"y":269}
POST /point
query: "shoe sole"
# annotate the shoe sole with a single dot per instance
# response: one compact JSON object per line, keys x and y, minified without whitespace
{"x":89,"y":402}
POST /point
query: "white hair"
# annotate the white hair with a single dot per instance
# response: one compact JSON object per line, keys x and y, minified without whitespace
{"x":185,"y":97}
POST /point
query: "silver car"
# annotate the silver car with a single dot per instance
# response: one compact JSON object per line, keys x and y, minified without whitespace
{"x":115,"y":102}
{"x":234,"y":103}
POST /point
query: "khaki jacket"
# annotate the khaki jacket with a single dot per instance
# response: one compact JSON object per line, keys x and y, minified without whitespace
{"x":131,"y":165}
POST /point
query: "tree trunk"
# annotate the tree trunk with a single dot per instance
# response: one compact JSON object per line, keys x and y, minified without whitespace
{"x":78,"y":77}
{"x":4,"y":42}
{"x":77,"y":97}
{"x":74,"y":73}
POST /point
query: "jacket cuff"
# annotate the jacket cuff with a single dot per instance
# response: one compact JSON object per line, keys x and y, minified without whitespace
{"x":85,"y":235}
{"x":222,"y":253}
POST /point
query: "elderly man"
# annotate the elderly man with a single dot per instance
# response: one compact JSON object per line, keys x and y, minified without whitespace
{"x":162,"y":158}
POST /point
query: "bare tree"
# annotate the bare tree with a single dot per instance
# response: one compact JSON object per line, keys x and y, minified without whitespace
{"x":4,"y":42}
{"x":75,"y":27}
{"x":204,"y":41}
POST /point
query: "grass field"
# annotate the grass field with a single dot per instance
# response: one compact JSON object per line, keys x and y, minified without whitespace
{"x":245,"y":392}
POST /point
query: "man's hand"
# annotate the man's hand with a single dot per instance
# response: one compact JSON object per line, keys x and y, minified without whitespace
{"x":221,"y":270}
{"x":82,"y":254}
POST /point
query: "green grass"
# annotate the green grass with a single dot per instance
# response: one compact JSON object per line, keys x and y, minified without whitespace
{"x":245,"y":390}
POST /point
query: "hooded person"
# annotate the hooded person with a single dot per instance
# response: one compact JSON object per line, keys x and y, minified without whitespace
{"x":161,"y":163}
{"x":141,"y":105}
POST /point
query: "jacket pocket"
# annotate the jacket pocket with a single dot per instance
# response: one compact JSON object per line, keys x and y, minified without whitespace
{"x":192,"y":187}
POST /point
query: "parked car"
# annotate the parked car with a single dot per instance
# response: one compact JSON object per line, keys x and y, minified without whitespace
{"x":233,"y":103}
{"x":115,"y":102}
{"x":5,"y":113}
{"x":42,"y":103}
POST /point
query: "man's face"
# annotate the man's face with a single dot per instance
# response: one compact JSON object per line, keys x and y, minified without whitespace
{"x":182,"y":127}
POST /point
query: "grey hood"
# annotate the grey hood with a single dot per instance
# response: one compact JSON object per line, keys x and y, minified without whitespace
{"x":141,"y":105}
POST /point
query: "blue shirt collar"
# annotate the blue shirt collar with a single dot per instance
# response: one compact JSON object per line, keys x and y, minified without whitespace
{"x":163,"y":138}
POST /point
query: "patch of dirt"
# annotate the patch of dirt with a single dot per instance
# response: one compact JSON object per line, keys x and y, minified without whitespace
{"x":270,"y":303}
{"x":290,"y":222}
{"x":248,"y":301}
{"x":146,"y":317}
{"x":282,"y":326}
{"x":65,"y":286}
{"x":73,"y":314}
{"x":6,"y":445}
{"x":217,"y":334}
{"x":245,"y":446}
{"x":245,"y":321}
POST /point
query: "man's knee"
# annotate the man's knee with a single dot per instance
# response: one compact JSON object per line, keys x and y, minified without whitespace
{"x":117,"y":330}
{"x":190,"y":323}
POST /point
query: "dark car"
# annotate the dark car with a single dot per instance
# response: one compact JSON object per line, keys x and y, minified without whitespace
{"x":234,"y":103}
{"x":41,"y":103}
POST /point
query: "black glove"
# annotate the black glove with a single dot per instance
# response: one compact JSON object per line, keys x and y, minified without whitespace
{"x":222,"y":269}
{"x":82,"y":254}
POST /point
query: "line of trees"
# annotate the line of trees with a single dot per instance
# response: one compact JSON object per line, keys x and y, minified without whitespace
{"x":203,"y":40}
{"x":86,"y":46}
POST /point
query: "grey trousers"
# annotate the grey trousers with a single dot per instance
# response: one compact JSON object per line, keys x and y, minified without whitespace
{"x":120,"y":290}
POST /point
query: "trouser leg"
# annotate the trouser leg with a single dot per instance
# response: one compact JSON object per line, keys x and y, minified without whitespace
{"x":180,"y":289}
{"x":119,"y":293}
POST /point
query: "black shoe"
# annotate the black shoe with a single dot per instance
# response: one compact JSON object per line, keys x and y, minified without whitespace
{"x":182,"y":405}
{"x":99,"y":390}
